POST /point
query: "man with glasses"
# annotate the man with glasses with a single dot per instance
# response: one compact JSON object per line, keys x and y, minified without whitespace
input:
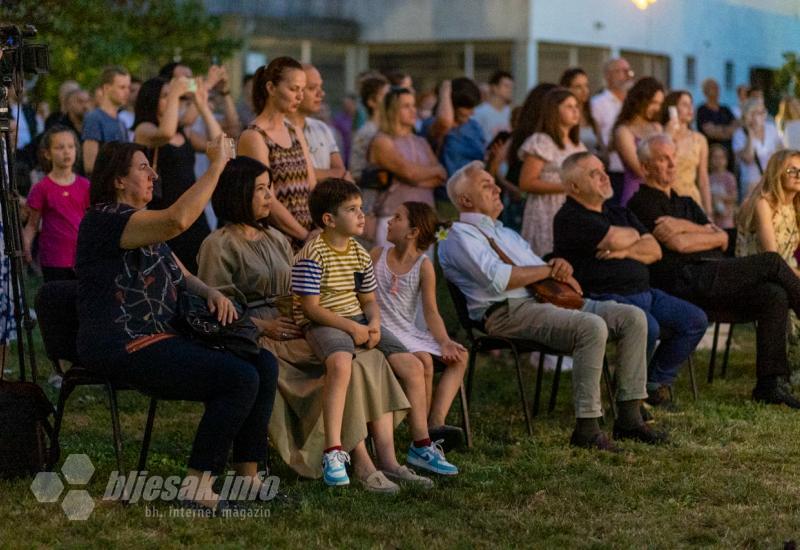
{"x":760,"y":288}
{"x":605,"y":108}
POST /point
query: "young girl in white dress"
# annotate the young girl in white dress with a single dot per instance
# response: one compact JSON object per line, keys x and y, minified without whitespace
{"x":406,"y":282}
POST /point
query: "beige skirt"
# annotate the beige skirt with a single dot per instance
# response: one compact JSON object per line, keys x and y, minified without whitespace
{"x":296,"y":429}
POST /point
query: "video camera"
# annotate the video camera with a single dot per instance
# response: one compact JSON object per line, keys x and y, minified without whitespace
{"x":20,"y":57}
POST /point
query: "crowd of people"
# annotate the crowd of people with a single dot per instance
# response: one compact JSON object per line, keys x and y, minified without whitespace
{"x":654,"y":214}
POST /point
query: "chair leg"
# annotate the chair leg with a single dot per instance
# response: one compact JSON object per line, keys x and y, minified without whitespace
{"x":465,"y":423}
{"x":554,"y":388}
{"x":692,"y":380}
{"x":712,"y":362}
{"x":539,"y":376}
{"x":522,"y":391}
{"x":115,"y":427}
{"x":148,"y":432}
{"x":609,"y":387}
{"x":471,"y":365}
{"x":63,"y":395}
{"x":728,"y":342}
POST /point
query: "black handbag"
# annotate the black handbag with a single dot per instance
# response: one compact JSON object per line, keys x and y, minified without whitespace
{"x":27,"y":440}
{"x":374,"y":177}
{"x":196,"y":322}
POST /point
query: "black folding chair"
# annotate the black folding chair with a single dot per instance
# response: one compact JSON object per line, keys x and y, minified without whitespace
{"x":718,"y":317}
{"x":481,"y":341}
{"x":56,"y":312}
{"x":439,"y":366}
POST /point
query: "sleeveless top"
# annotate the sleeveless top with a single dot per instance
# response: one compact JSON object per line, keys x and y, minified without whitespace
{"x":399,"y":297}
{"x":686,"y":162}
{"x":289,"y":175}
{"x":175,"y":167}
{"x":787,"y":235}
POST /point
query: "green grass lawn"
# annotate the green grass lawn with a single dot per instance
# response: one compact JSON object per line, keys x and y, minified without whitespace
{"x":728,"y":479}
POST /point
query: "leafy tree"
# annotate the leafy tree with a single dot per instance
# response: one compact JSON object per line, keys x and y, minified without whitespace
{"x":141,"y":35}
{"x":787,"y":78}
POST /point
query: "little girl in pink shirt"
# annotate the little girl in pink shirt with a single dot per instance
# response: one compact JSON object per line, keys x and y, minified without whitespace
{"x":58,"y":201}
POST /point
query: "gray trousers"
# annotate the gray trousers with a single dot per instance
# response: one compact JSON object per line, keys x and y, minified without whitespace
{"x":583,"y":335}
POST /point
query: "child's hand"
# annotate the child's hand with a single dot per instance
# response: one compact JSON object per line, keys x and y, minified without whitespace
{"x":360,"y":334}
{"x":374,"y":337}
{"x":452,"y":351}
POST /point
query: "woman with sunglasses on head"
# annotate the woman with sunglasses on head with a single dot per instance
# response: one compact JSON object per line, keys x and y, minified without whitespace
{"x":753,"y":144}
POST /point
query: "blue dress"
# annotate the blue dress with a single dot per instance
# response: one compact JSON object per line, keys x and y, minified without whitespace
{"x":8,"y":326}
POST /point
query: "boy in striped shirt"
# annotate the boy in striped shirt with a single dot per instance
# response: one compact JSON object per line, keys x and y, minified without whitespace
{"x":334,"y":287}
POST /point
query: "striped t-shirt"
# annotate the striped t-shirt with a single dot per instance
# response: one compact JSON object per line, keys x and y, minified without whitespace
{"x":337,"y":277}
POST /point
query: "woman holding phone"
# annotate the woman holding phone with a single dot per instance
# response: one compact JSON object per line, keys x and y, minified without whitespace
{"x":692,"y":149}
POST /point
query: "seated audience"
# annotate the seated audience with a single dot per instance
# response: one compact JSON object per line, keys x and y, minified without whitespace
{"x":610,"y":251}
{"x":497,"y":296}
{"x":251,"y":261}
{"x":333,"y":282}
{"x":694,"y":267}
{"x":129,"y":284}
{"x":407,"y":284}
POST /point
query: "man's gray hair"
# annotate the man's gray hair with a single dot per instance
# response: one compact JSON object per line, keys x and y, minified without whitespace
{"x":571,"y":166}
{"x":456,"y":182}
{"x":644,"y":152}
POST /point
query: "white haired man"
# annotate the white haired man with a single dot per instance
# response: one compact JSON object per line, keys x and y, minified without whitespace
{"x":497,"y":296}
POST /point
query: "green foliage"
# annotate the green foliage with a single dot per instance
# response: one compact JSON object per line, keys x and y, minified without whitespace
{"x":86,"y":35}
{"x":787,"y":78}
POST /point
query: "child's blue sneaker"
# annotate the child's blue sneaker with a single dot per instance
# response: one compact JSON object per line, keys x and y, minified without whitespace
{"x":333,"y":468}
{"x":431,"y":458}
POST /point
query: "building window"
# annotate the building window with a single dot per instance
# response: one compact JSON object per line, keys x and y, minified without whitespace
{"x":691,"y":70}
{"x":729,"y":75}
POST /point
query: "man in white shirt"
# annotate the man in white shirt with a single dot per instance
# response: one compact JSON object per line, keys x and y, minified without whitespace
{"x":322,"y":146}
{"x":606,"y":107}
{"x":496,"y":295}
{"x":494,"y":114}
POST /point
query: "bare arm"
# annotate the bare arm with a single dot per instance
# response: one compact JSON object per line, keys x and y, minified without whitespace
{"x":618,"y":238}
{"x":429,"y":307}
{"x":702,"y":177}
{"x":625,"y":144}
{"x":251,"y":144}
{"x":444,"y":115}
{"x":152,"y":226}
{"x":384,"y":154}
{"x":323,"y":316}
{"x":523,"y":276}
{"x":150,"y":135}
{"x":29,"y":233}
{"x":213,"y":129}
{"x":89,"y":149}
{"x":689,"y":237}
{"x":645,"y":250}
{"x":530,"y":181}
{"x":337,"y":170}
{"x":312,"y":178}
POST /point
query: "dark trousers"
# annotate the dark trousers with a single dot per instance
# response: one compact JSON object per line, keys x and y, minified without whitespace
{"x":58,"y":274}
{"x":678,"y":325}
{"x":759,"y":288}
{"x":238,"y":395}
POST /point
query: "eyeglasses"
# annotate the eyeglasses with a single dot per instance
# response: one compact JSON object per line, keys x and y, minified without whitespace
{"x":793,"y":173}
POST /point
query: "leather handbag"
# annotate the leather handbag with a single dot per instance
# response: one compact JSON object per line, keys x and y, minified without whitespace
{"x":195,"y":321}
{"x":549,"y":291}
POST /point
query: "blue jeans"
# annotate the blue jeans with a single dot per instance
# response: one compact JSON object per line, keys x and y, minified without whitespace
{"x":677,"y":323}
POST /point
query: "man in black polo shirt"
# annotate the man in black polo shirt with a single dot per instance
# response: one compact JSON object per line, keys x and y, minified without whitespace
{"x":610,"y":250}
{"x":694,"y":267}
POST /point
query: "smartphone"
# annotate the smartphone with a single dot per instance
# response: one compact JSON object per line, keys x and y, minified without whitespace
{"x":673,"y":113}
{"x":192,"y":87}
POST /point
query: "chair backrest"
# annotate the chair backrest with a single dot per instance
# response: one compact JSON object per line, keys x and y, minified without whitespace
{"x":57,"y":314}
{"x":460,"y":303}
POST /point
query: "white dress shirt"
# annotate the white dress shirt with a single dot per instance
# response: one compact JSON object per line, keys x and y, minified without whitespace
{"x":469,"y":262}
{"x":605,"y":109}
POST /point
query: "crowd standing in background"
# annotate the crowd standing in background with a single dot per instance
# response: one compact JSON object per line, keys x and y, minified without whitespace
{"x":653,"y":213}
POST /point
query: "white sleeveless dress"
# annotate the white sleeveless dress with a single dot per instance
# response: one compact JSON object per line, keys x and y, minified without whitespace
{"x":399,"y":297}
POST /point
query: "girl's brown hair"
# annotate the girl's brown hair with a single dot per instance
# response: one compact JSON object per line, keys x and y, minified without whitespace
{"x":550,"y":121}
{"x":423,"y":218}
{"x":274,"y":72}
{"x":46,"y":141}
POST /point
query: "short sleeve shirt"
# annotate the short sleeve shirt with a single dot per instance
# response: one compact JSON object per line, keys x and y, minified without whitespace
{"x":62,"y":208}
{"x":649,"y":204}
{"x":460,"y":146}
{"x":577,"y":231}
{"x":122,"y":294}
{"x":337,"y":277}
{"x":321,"y":143}
{"x":100,"y":127}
